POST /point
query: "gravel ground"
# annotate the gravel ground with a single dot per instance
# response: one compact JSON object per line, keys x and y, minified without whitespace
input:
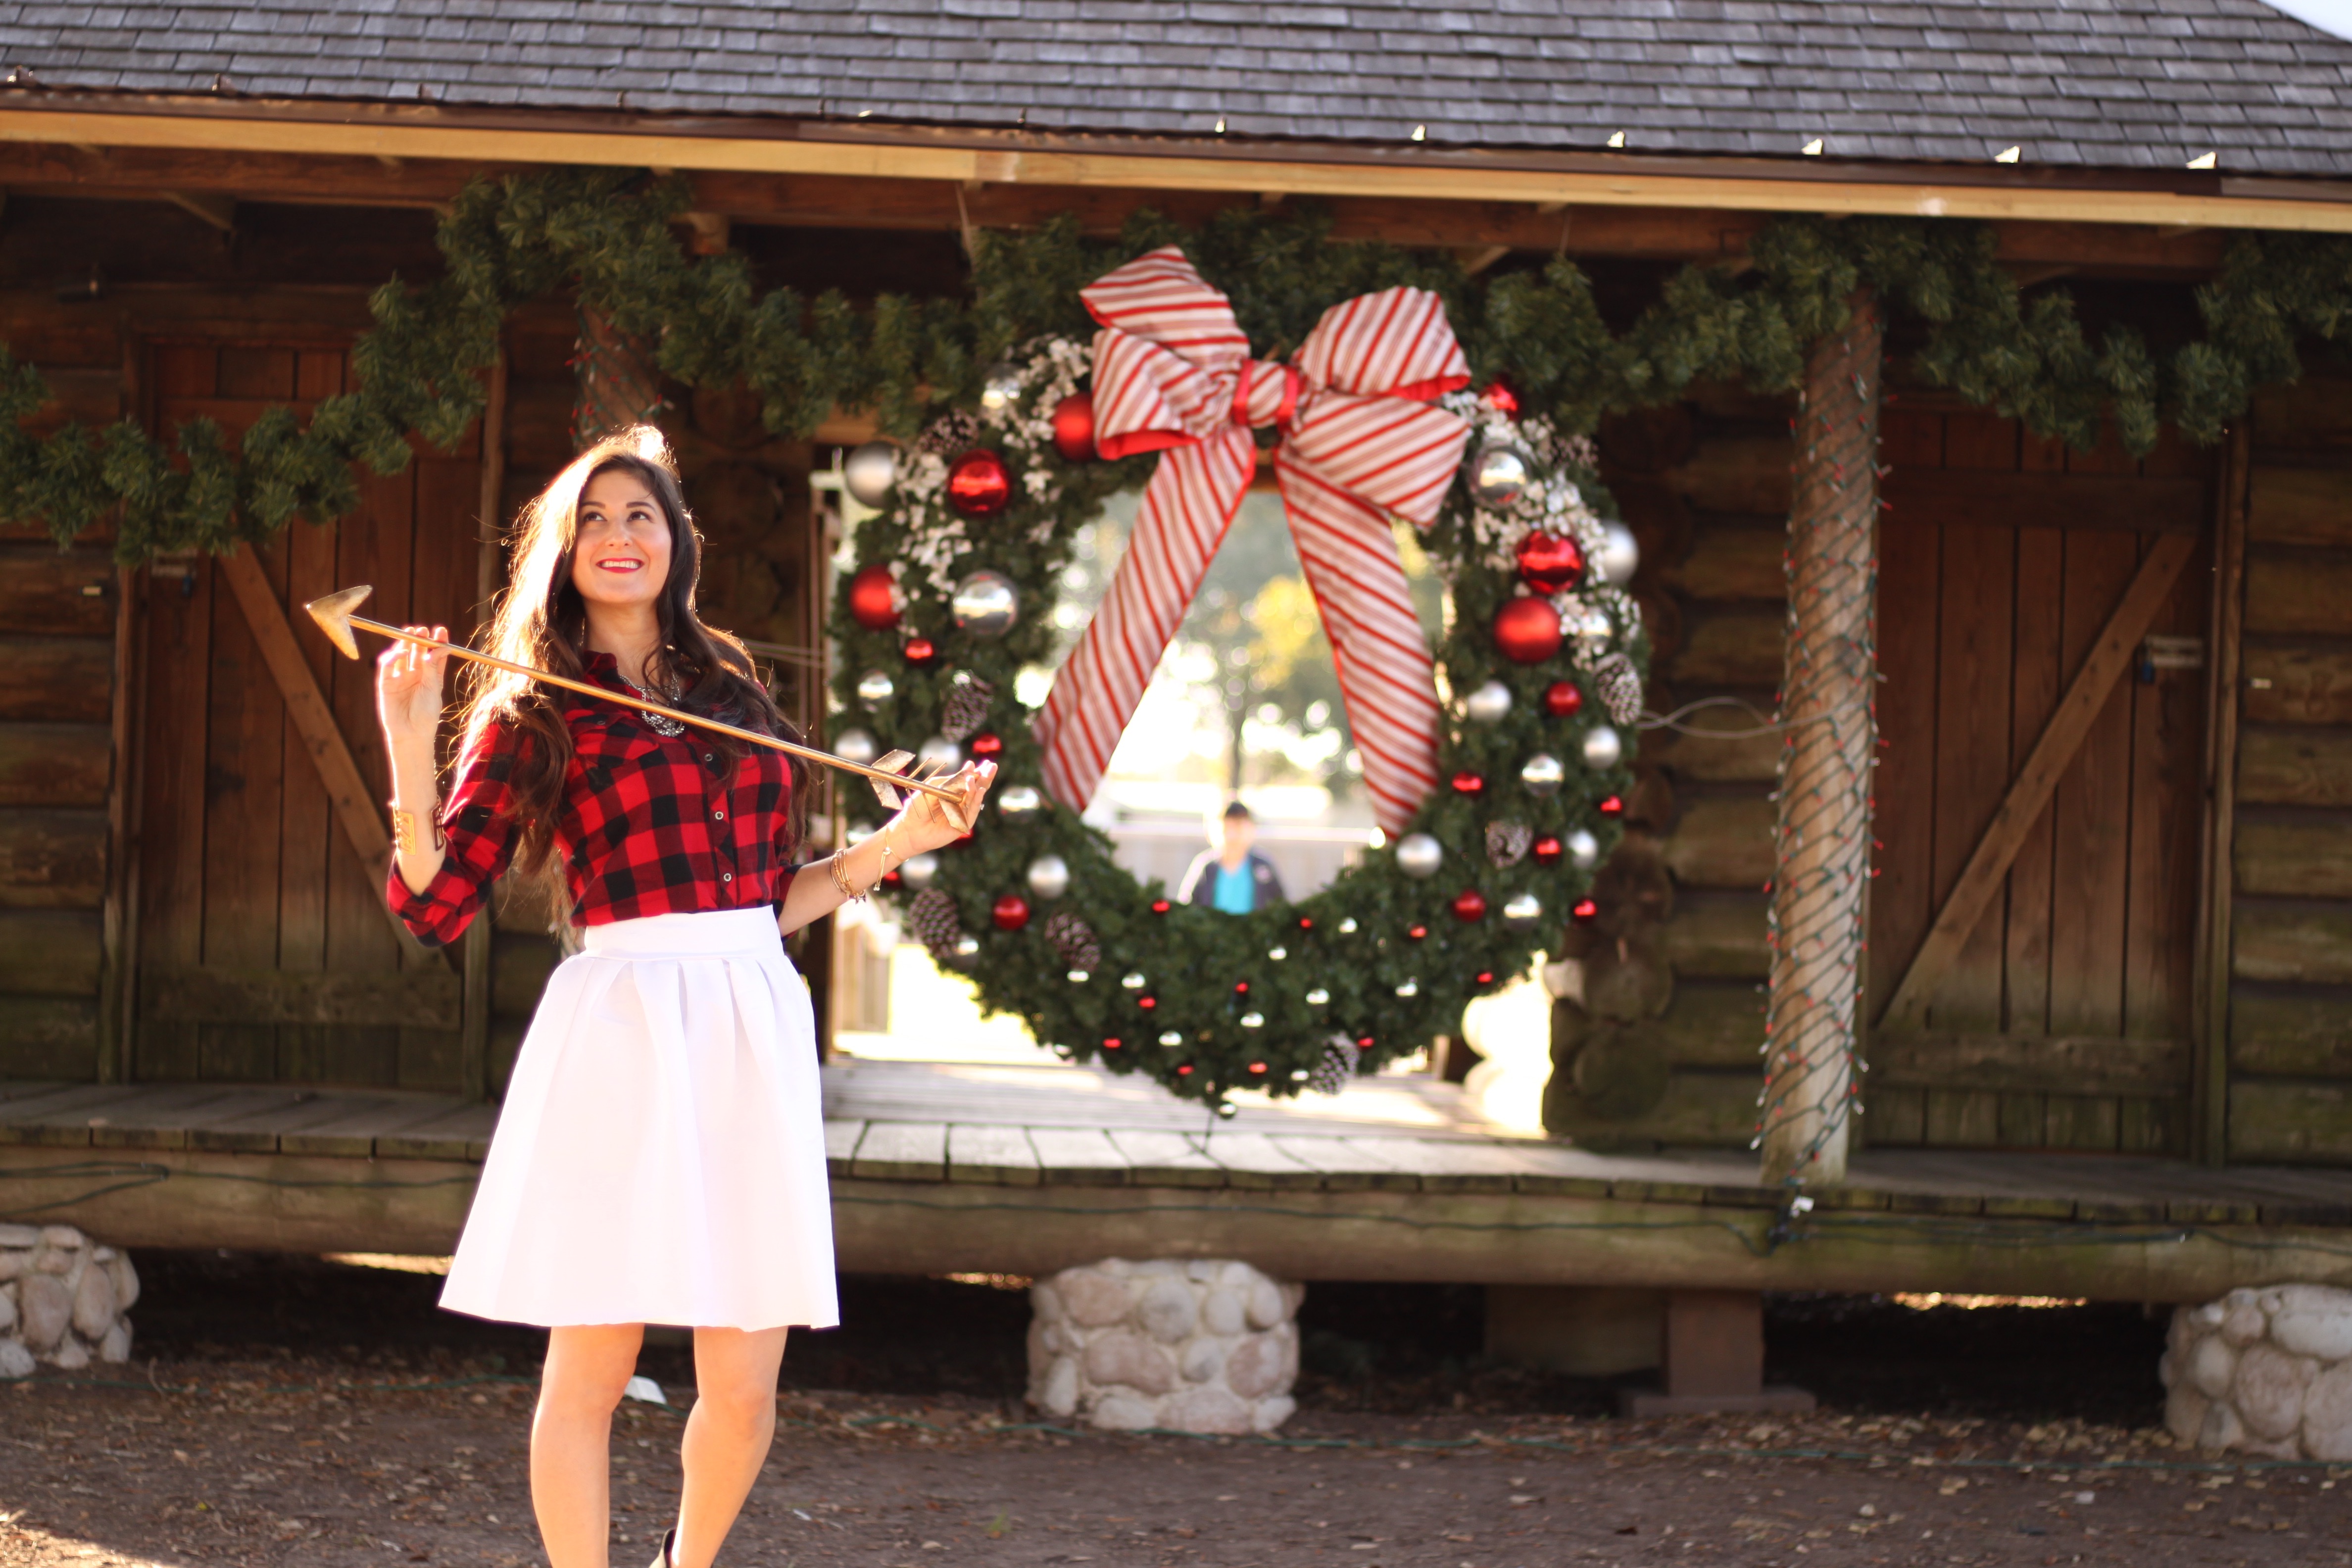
{"x":288,"y":1412}
{"x":228,"y":1466}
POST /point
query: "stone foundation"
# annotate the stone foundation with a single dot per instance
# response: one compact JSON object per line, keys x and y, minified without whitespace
{"x":2266,"y":1371}
{"x":1191,"y":1347}
{"x":63,"y":1300}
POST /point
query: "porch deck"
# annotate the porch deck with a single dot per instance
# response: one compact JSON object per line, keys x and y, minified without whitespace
{"x":945,"y":1167}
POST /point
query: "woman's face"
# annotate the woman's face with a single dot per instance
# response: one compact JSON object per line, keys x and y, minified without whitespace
{"x":620,"y":554}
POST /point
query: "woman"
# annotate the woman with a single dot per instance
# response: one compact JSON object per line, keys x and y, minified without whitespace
{"x":660,"y":1157}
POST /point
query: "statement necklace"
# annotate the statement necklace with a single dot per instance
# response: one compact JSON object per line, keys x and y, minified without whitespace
{"x":660,"y":724}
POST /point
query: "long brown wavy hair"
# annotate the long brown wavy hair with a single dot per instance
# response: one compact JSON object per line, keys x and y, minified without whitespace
{"x":543,"y":622}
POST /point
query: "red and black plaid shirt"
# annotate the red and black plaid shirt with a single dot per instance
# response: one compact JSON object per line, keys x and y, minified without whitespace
{"x":652,"y":823}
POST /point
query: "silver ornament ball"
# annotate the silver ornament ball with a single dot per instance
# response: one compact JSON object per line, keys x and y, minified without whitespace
{"x":855,"y":746}
{"x":1522,"y":911}
{"x":871,"y":472}
{"x":1021,"y":802}
{"x":1590,"y":627}
{"x":1490,"y":704}
{"x":1542,"y":776}
{"x":1583,"y":849}
{"x":1049,"y":877}
{"x":875,"y":687}
{"x":986,"y":604}
{"x":1501,"y":473}
{"x":1419,"y":855}
{"x":965,"y":951}
{"x":1619,"y":555}
{"x":918,"y":871}
{"x":1602,"y":747}
{"x":939,"y":754}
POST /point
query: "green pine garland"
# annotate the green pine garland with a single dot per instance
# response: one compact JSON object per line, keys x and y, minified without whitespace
{"x":607,"y":232}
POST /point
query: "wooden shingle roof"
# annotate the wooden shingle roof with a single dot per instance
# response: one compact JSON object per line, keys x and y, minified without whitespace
{"x":2109,"y":84}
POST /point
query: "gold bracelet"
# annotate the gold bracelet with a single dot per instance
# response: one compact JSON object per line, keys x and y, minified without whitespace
{"x":405,"y":836}
{"x":839,"y":862}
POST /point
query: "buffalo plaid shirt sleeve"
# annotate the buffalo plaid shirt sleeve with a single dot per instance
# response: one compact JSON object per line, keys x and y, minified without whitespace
{"x":479,"y":842}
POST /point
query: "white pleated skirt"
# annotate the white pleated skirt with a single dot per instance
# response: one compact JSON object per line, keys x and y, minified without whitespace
{"x":660,"y":1158}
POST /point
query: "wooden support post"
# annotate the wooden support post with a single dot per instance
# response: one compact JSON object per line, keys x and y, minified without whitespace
{"x":474,"y":1026}
{"x":2210,"y":1079}
{"x":1715,"y":1360}
{"x":1981,"y":880}
{"x":1828,"y":690}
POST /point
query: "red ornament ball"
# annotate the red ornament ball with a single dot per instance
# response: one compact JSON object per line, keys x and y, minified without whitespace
{"x":1416,"y":932}
{"x":1612,"y":806}
{"x":1468,"y":784}
{"x":1485,"y":977}
{"x":1548,"y":851}
{"x":1241,"y":987}
{"x":1526,"y":631}
{"x":1585,"y":909}
{"x":1306,"y":923}
{"x":1147,"y":1001}
{"x":1258,"y":1069}
{"x":979,"y":484}
{"x":1074,"y":428}
{"x":1562,"y":698}
{"x":1010,"y":913}
{"x":1160,"y":906}
{"x":1184,"y":1072}
{"x":920,"y":651}
{"x":1499,"y":396}
{"x":1469,"y":905}
{"x":874,"y":598}
{"x":987,"y":743}
{"x":1111,"y":1042}
{"x":1550,"y":562}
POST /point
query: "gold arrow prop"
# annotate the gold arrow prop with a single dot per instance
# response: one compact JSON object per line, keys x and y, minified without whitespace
{"x":891,"y":775}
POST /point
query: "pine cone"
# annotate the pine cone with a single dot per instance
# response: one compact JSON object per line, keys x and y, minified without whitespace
{"x":1506,"y":842}
{"x":1620,"y":688}
{"x":952,"y":434}
{"x":936,"y":923}
{"x":1075,"y":940}
{"x":1338,"y":1064}
{"x":967,"y":707}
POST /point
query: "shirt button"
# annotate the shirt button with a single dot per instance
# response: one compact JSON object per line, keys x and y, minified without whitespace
{"x":709,"y":758}
{"x":718,"y":816}
{"x":726,"y":876}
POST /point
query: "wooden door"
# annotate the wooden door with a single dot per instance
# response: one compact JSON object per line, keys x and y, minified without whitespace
{"x":264,"y":949}
{"x":2066,"y":1021}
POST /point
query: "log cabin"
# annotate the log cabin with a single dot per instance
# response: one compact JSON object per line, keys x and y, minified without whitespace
{"x":2111,"y":912}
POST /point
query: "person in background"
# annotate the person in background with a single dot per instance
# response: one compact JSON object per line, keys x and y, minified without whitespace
{"x":1233,"y":876}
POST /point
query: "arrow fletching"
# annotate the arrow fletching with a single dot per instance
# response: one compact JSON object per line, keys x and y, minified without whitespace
{"x":891,"y":762}
{"x":333,"y":615}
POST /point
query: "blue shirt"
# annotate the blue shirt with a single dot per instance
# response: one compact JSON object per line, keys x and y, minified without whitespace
{"x":1236,"y":891}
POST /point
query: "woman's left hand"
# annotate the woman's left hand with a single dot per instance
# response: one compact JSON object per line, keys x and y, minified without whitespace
{"x":929,"y":822}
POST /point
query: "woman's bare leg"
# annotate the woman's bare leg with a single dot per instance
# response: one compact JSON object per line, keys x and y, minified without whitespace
{"x":727,"y":1436}
{"x":572,"y":1438}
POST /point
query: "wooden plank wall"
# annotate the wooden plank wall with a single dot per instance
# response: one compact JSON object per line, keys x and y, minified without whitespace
{"x":58,"y":640}
{"x":2289,"y":998}
{"x":243,"y":869}
{"x":2082,"y":975}
{"x":1985,"y":615}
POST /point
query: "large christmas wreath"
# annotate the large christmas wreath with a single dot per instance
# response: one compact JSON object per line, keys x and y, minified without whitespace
{"x":954,"y":593}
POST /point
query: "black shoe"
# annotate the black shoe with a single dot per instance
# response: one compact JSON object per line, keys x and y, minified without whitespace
{"x":669,"y":1538}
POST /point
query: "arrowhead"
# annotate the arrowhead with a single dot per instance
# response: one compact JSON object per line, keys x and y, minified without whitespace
{"x":892,"y":762}
{"x":333,"y":615}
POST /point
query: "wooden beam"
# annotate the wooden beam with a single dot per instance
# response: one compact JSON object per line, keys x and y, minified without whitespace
{"x":2217,"y":871}
{"x":2067,"y":1064}
{"x":1989,"y":864}
{"x":1763,"y":186}
{"x":207,"y":206}
{"x":314,"y":720}
{"x":822,"y":201}
{"x":419,"y":999}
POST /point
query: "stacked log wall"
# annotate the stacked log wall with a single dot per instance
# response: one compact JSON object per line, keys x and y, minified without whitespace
{"x":59,"y":624}
{"x":1661,"y":1019}
{"x":2289,"y":1030}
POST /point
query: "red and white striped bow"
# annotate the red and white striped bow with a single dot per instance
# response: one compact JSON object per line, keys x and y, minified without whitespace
{"x":1360,"y":444}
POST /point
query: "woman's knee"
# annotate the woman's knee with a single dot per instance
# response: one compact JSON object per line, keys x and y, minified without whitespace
{"x":742,"y":1405}
{"x":585,"y":1375}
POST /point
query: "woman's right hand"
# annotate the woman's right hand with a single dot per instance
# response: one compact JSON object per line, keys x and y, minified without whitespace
{"x":408,"y":681}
